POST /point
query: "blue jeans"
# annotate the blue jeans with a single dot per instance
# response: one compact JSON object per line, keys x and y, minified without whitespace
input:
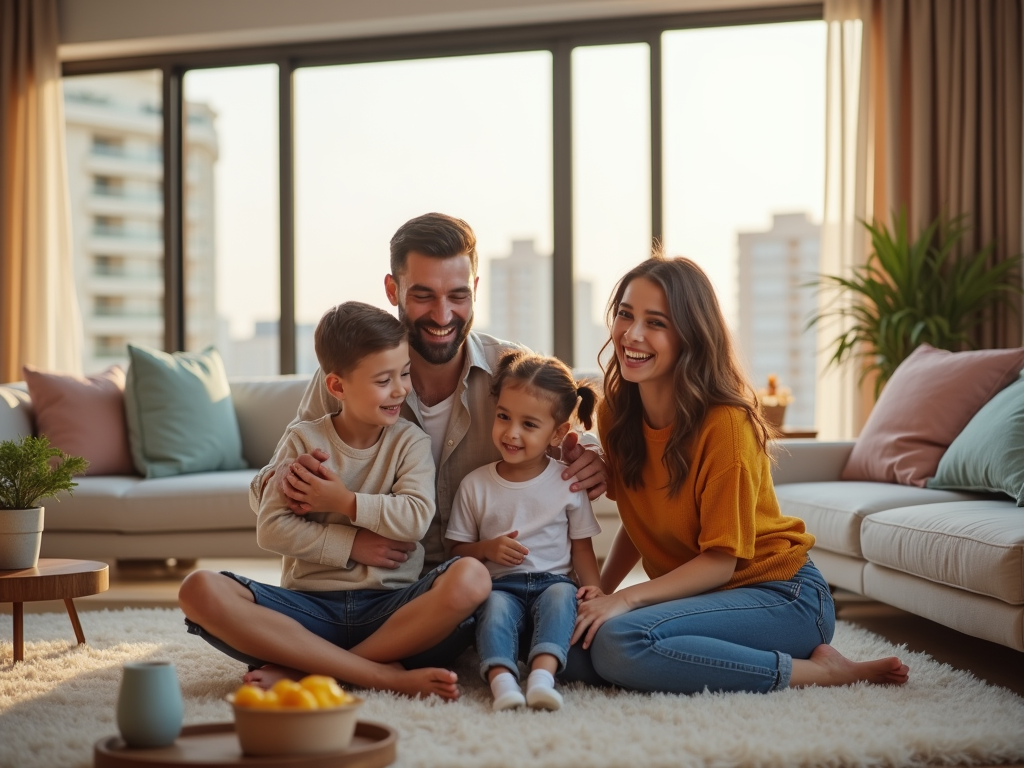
{"x":742,"y":639}
{"x":543,"y":602}
{"x":346,"y":618}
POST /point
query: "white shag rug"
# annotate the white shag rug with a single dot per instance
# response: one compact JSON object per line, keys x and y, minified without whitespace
{"x":57,"y":703}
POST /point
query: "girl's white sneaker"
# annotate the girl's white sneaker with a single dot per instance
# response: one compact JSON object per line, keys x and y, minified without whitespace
{"x":542,"y":697}
{"x":508,"y":700}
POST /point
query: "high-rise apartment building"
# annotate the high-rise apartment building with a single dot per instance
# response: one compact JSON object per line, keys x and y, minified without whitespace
{"x":115,"y":176}
{"x":774,"y":305}
{"x":522,"y":311}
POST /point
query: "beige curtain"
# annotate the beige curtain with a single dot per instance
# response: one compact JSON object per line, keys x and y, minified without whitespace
{"x":40,"y":323}
{"x":925,"y":101}
{"x":849,"y":148}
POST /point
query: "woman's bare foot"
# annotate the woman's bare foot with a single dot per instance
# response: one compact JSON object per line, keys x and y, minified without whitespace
{"x":827,"y":666}
{"x":268,"y":674}
{"x":423,"y":682}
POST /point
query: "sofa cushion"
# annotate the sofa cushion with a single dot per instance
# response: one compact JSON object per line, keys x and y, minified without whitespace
{"x":930,"y":398}
{"x":180,"y":415}
{"x":203,"y":501}
{"x":265,"y":406}
{"x":834,"y":511}
{"x":989,"y":454}
{"x":972,"y":545}
{"x":83,"y":416}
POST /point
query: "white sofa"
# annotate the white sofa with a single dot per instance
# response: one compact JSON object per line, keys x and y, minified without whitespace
{"x":184,"y":517}
{"x":953,"y":557}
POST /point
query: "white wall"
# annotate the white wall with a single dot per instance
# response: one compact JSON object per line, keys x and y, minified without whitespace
{"x":102,"y":28}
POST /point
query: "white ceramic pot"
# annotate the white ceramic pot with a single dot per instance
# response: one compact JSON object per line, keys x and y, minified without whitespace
{"x":21,"y":534}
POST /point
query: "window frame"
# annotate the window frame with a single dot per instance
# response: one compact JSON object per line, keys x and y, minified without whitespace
{"x":559,"y":39}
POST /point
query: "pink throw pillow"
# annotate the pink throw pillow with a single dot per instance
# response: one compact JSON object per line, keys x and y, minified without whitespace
{"x":83,"y":416}
{"x":923,"y":407}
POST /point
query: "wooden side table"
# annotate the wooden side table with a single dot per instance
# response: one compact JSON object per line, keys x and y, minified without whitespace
{"x":52,"y":579}
{"x":798,"y":432}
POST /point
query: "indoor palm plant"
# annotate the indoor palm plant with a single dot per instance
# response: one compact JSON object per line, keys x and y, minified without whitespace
{"x":30,"y":470}
{"x":912,"y":292}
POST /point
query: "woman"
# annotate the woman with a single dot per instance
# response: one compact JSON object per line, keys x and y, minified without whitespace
{"x":733,"y":602}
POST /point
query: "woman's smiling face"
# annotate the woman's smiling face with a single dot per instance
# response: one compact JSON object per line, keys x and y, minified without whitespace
{"x":646,"y":342}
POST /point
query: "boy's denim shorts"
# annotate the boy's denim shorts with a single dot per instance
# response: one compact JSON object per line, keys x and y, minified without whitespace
{"x":345,"y":617}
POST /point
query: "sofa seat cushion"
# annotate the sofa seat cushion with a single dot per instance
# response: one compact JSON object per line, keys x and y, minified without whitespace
{"x":977,"y":546}
{"x":203,"y":501}
{"x":834,"y":511}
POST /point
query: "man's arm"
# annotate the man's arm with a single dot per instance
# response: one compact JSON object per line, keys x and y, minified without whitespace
{"x":586,"y":464}
{"x":316,"y":402}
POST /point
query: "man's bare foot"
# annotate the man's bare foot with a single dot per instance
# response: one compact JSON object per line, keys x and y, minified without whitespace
{"x":827,"y":666}
{"x":424,"y":682}
{"x":268,"y":674}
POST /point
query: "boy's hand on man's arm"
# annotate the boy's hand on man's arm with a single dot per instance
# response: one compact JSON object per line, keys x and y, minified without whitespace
{"x":320,"y":491}
{"x":312,"y":462}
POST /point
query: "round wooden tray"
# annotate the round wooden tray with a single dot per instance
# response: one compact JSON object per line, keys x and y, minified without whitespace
{"x":215,"y":744}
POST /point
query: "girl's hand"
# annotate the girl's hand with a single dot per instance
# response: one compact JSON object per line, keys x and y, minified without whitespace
{"x":588,"y":593}
{"x":505,"y":550}
{"x":595,"y":612}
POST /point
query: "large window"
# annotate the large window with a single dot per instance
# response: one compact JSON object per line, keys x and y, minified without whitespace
{"x":744,"y":184}
{"x":611,"y":180}
{"x":115,"y":170}
{"x":231,"y":235}
{"x":377,"y":144}
{"x":568,"y":148}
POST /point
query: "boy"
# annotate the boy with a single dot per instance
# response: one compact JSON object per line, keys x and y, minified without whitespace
{"x":379,"y":475}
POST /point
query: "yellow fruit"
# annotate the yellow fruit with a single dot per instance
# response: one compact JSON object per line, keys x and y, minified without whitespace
{"x":298,"y":698}
{"x":284,"y":684}
{"x":270,"y":700}
{"x":326,"y":690}
{"x":249,"y":696}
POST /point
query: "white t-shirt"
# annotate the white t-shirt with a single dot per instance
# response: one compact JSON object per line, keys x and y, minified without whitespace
{"x":435,"y":423}
{"x":544,"y":511}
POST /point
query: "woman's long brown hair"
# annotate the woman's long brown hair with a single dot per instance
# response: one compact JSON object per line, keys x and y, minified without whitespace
{"x":706,"y":374}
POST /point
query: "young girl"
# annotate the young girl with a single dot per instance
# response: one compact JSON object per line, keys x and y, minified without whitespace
{"x":733,"y":602}
{"x":519,"y":517}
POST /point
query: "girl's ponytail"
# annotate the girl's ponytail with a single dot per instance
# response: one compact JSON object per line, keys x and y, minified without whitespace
{"x":586,"y":395}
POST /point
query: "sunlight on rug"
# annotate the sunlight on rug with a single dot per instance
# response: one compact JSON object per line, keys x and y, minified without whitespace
{"x":58,"y":702}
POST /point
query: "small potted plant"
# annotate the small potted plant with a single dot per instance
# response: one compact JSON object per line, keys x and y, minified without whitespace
{"x":30,"y":470}
{"x":773,"y":400}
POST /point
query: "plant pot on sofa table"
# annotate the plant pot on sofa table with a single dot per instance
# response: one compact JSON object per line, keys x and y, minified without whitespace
{"x":21,"y":535}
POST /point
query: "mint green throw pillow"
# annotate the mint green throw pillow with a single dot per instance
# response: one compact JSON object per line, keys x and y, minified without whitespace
{"x":179,"y":413}
{"x":988,"y":455}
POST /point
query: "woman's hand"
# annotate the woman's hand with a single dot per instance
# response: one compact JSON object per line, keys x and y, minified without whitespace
{"x":595,"y":612}
{"x":583,"y":594}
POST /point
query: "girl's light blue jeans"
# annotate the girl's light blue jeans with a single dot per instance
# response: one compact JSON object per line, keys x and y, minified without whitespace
{"x":543,"y":604}
{"x":742,"y":639}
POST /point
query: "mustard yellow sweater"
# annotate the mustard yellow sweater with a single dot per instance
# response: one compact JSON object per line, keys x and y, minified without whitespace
{"x":727,"y":503}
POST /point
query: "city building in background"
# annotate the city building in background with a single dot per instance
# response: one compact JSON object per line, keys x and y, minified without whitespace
{"x":521,"y":305}
{"x":115,"y":176}
{"x":774,"y":305}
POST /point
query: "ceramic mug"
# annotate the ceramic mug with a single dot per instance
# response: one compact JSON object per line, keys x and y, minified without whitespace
{"x":150,"y":711}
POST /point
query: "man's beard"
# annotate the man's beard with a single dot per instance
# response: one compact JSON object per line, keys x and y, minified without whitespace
{"x":437,"y":354}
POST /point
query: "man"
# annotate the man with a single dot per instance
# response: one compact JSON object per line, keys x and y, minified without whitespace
{"x":433,"y":283}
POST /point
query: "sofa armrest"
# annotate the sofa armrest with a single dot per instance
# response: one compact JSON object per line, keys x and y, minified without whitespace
{"x":809,"y":461}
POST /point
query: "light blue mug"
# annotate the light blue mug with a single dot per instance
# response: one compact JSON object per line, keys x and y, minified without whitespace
{"x":150,"y":711}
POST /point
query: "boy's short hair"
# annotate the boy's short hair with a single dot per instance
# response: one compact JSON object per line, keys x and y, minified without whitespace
{"x":432,"y":234}
{"x":350,"y":331}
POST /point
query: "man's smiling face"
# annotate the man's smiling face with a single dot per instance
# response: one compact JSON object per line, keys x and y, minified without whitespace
{"x":435,"y":297}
